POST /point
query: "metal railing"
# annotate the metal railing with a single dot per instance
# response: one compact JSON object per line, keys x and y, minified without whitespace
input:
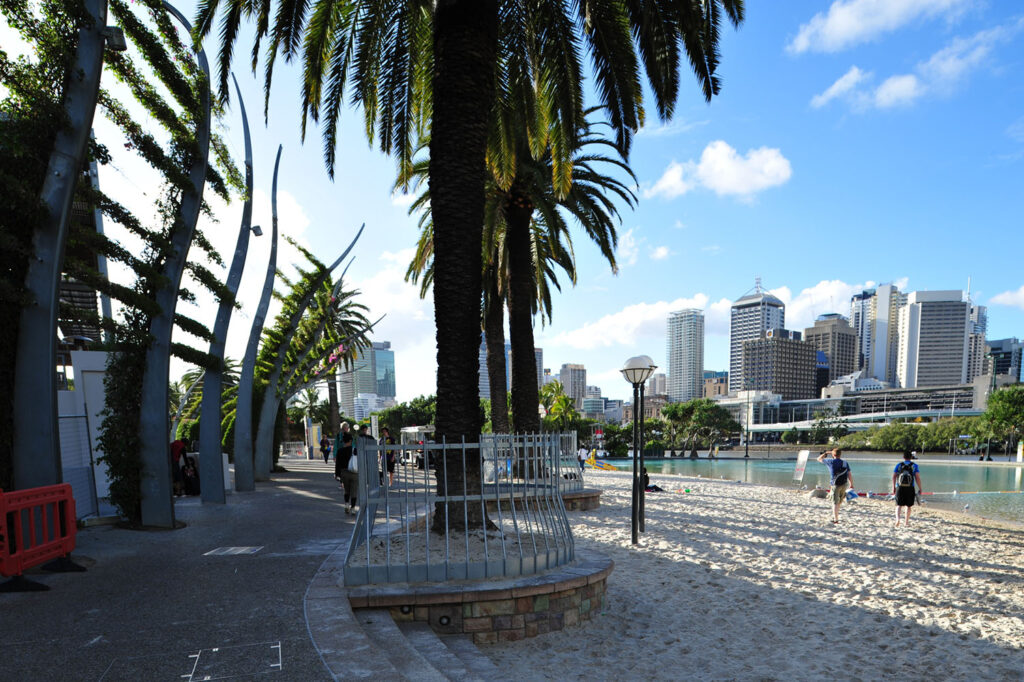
{"x":77,"y":462}
{"x":427,"y":525}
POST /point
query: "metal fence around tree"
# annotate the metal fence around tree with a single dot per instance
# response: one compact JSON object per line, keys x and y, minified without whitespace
{"x":410,"y":530}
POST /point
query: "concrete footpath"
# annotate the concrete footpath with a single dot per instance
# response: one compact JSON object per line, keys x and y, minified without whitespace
{"x":156,"y":605}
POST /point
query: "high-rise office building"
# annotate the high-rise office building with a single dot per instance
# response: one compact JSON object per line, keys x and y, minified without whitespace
{"x":751,"y":316}
{"x":1005,"y":357}
{"x":685,"y":352}
{"x":874,"y":316}
{"x":574,"y":382}
{"x":362,"y":376}
{"x":934,"y":330}
{"x":484,"y":381}
{"x":657,"y":384}
{"x":976,"y":347}
{"x":384,"y":369}
{"x":715,"y":383}
{"x":833,"y":335}
{"x":780,"y":362}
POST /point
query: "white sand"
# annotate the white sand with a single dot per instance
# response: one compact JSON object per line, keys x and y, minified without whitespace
{"x":737,"y":581}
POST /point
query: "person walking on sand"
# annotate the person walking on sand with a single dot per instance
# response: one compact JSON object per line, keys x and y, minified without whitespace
{"x":841,"y":478}
{"x":581,"y":457}
{"x":904,"y":476}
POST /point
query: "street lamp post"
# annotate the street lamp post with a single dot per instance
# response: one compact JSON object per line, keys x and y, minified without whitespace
{"x":636,"y":371}
{"x":746,"y":421}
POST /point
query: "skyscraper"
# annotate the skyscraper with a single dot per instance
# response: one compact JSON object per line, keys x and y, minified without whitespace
{"x":934,"y":327}
{"x":574,"y":382}
{"x":685,"y":352}
{"x":1004,"y":357}
{"x":484,"y":382}
{"x":780,"y":362}
{"x":360,"y":378}
{"x":976,"y":347}
{"x":384,"y":369}
{"x":832,"y":335}
{"x":751,"y":316}
{"x":874,"y":316}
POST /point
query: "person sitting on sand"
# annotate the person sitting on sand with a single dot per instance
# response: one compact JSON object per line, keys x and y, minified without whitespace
{"x":903,"y":478}
{"x":841,"y":478}
{"x":647,"y":484}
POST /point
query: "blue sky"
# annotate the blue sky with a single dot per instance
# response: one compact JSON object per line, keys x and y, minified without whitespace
{"x":863,"y":142}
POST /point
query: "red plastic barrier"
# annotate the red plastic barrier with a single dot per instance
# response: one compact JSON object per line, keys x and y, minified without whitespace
{"x":38,"y":525}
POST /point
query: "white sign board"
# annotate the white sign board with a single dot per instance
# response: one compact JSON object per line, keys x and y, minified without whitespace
{"x":801,"y":464}
{"x":1020,"y":451}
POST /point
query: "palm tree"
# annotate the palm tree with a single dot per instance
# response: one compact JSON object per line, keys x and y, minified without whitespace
{"x":527,"y":236}
{"x":436,"y":66}
{"x":589,"y":199}
{"x":549,"y":392}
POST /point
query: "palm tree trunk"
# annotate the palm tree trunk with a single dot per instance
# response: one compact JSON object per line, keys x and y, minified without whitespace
{"x":522,"y":291}
{"x":465,"y":48}
{"x":333,"y":419}
{"x":494,"y":336}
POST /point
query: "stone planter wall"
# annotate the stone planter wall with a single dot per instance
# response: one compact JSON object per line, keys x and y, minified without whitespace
{"x":502,"y":610}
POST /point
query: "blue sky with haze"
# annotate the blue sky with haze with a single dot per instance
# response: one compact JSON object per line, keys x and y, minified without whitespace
{"x":857,"y":143}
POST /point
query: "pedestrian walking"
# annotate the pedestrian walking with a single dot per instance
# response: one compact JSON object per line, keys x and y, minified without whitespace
{"x":904,"y":476}
{"x":841,"y":478}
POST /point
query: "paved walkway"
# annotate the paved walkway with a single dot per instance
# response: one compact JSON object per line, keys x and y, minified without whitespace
{"x":154,"y":606}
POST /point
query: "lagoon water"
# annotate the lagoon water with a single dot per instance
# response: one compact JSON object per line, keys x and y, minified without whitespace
{"x":992,"y":490}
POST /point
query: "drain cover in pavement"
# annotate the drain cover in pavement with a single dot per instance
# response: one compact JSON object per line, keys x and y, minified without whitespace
{"x":224,"y":551}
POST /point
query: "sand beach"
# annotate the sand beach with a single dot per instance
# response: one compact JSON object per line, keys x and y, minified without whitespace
{"x":739,"y":581}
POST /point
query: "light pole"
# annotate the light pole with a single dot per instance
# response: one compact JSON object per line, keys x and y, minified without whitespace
{"x":746,"y":421}
{"x":636,"y":371}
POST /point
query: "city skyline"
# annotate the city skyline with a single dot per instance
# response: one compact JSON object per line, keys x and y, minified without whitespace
{"x":845,"y":150}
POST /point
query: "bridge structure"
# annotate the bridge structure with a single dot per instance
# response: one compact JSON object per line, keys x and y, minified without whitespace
{"x":866,"y":420}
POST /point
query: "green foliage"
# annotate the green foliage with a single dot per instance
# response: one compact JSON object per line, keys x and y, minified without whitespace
{"x":420,"y":411}
{"x":700,"y":422}
{"x":933,"y":436}
{"x":618,"y":439}
{"x":188,"y":430}
{"x":791,"y":437}
{"x":828,"y":426}
{"x":562,"y":416}
{"x":1005,"y":413}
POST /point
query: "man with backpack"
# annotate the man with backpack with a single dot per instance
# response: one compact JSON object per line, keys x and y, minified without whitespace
{"x":841,"y":478}
{"x":904,"y":476}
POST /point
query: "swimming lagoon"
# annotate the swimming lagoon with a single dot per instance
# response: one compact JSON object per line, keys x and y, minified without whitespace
{"x":987,"y":489}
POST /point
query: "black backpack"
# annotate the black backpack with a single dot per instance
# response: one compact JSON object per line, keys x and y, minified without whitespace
{"x":842,"y":476}
{"x":905,"y":475}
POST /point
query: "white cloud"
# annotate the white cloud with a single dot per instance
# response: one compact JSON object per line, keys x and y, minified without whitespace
{"x":711,"y":248}
{"x":1016,"y":129}
{"x":950,"y":64}
{"x":669,"y":128}
{"x":660,"y":253}
{"x":680,"y":226}
{"x":402,"y":200}
{"x":627,"y":326}
{"x":852,"y":22}
{"x":1010,"y":298}
{"x":938,"y":75}
{"x":827,"y":296}
{"x":898,"y":91}
{"x":672,"y":183}
{"x":627,"y":250}
{"x":844,"y":85}
{"x":725,"y":172}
